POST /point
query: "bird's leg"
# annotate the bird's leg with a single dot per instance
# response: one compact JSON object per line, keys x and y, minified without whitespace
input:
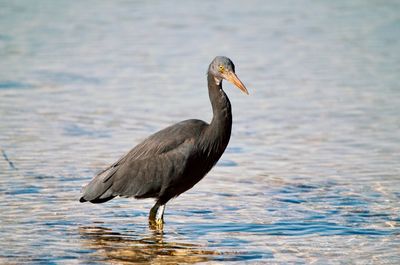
{"x":156,"y":215}
{"x":153,"y":212}
{"x":160,"y":214}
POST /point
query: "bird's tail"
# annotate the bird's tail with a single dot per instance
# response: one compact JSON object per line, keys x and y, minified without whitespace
{"x":82,"y":199}
{"x":99,"y":188}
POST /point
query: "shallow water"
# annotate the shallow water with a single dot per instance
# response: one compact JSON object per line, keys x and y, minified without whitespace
{"x":312,"y":172}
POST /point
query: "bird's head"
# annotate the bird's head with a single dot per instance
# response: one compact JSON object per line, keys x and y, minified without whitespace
{"x":223,"y":68}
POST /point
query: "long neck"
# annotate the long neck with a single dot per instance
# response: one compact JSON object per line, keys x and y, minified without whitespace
{"x":219,"y":131}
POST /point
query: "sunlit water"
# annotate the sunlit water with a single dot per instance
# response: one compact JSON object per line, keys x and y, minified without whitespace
{"x":312,"y":172}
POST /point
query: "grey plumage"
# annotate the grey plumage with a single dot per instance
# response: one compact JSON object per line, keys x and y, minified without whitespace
{"x":174,"y":159}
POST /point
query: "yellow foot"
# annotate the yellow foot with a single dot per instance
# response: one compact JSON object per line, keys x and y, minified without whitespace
{"x":157,"y":224}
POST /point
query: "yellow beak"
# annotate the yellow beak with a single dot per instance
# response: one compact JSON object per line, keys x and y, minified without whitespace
{"x":232,"y":78}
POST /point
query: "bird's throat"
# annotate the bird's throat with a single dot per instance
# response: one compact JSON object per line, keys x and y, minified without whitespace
{"x":220,"y":127}
{"x":217,"y":81}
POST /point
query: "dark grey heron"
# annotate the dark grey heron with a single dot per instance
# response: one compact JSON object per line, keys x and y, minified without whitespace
{"x":172,"y":160}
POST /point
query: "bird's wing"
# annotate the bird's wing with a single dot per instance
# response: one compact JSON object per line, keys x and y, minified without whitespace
{"x":141,"y":171}
{"x":162,"y":141}
{"x":143,"y":178}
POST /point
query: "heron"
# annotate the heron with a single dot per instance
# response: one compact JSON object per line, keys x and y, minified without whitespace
{"x":172,"y":160}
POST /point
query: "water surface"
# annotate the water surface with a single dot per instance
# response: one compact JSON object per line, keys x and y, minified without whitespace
{"x":312,"y":172}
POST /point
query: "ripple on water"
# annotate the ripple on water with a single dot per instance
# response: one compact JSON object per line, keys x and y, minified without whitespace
{"x":227,"y":163}
{"x":79,"y":130}
{"x":23,"y":191}
{"x":13,"y":85}
{"x":288,"y":228}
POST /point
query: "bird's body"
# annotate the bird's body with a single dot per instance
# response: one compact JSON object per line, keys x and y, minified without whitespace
{"x":172,"y":160}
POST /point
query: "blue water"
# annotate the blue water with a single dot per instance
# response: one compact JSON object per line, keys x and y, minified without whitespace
{"x":312,"y":172}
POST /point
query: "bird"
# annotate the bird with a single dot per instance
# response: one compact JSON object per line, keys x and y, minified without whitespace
{"x":172,"y":160}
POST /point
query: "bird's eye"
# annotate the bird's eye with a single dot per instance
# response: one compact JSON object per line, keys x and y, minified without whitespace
{"x":221,"y":68}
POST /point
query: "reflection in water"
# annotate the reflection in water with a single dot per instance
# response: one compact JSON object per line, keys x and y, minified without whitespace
{"x":124,"y":248}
